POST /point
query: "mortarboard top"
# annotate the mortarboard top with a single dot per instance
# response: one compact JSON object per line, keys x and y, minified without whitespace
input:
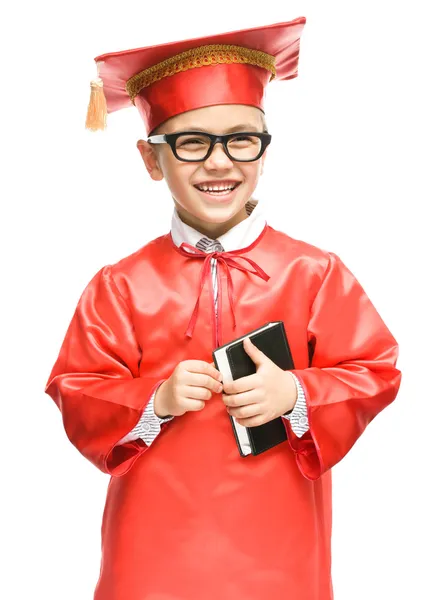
{"x":167,"y":79}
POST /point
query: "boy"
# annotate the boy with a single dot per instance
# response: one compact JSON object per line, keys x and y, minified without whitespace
{"x":187,"y":517}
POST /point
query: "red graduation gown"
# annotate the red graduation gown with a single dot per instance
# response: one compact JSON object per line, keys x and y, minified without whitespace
{"x":188,"y":518}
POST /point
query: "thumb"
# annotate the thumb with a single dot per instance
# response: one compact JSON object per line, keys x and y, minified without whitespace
{"x":253,"y":352}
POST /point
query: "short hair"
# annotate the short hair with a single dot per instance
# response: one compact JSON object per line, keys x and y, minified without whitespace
{"x":263,"y":120}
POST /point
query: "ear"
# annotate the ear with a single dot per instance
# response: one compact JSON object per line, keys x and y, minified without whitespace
{"x":150,"y":159}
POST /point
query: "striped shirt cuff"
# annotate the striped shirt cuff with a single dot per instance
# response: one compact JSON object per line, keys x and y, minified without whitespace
{"x":149,"y":425}
{"x":299,"y":415}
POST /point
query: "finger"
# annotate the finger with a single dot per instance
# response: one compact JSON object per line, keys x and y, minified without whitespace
{"x":216,"y":371}
{"x":245,"y":412}
{"x":242,"y":399}
{"x":253,"y":352}
{"x":192,"y":405}
{"x":193,"y":392}
{"x":244,"y":384}
{"x":200,"y":366}
{"x":252,"y":421}
{"x":203,"y":380}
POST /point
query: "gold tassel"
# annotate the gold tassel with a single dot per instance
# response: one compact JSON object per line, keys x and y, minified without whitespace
{"x":97,"y":109}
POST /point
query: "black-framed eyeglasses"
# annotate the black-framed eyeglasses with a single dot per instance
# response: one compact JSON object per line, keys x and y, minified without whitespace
{"x":194,"y":146}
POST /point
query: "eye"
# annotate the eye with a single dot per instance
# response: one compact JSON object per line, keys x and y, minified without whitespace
{"x":244,"y":140}
{"x":192,"y":141}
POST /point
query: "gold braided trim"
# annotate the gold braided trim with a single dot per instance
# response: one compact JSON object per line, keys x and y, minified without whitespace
{"x":201,"y":56}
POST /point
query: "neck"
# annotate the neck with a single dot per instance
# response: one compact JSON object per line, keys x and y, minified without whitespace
{"x":211,"y":230}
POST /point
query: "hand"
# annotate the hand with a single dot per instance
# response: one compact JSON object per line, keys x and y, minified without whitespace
{"x":190,"y":385}
{"x":267,"y":394}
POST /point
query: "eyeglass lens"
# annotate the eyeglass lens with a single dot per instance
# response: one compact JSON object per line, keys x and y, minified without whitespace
{"x":195,"y":147}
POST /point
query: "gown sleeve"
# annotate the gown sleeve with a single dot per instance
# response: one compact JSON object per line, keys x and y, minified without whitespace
{"x":95,"y":381}
{"x":352,"y":374}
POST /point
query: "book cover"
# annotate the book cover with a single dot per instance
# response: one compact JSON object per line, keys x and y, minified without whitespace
{"x":233,"y":362}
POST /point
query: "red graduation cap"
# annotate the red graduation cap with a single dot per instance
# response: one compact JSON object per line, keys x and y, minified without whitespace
{"x":168,"y":79}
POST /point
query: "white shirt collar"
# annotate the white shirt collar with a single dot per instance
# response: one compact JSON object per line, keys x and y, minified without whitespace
{"x":240,"y":236}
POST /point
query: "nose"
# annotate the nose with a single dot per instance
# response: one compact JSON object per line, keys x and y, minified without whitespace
{"x":218,"y":159}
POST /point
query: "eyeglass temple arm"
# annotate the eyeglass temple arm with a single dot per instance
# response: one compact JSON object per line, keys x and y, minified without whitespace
{"x":157,"y":139}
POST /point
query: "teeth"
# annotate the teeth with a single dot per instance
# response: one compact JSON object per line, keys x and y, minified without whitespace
{"x":216,"y":188}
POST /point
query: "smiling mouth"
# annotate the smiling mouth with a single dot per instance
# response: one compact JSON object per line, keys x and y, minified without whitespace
{"x":212,"y":192}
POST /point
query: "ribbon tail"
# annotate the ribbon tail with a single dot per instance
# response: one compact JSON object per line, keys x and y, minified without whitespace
{"x":257,"y":269}
{"x":230,"y":293}
{"x":191,"y":327}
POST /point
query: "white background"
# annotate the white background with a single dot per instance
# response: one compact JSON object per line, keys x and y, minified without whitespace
{"x":350,"y":169}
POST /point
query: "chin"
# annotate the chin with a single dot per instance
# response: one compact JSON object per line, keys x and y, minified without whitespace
{"x":214,"y":213}
{"x":221,"y":214}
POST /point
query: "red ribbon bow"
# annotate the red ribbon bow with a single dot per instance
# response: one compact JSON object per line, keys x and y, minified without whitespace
{"x":227,"y":260}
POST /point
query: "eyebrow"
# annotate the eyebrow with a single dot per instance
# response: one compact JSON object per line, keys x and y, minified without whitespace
{"x":240,"y":127}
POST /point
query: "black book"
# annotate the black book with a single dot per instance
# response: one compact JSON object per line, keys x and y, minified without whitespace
{"x":233,"y":362}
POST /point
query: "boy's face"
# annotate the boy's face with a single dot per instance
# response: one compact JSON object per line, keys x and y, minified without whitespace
{"x":197,"y":209}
